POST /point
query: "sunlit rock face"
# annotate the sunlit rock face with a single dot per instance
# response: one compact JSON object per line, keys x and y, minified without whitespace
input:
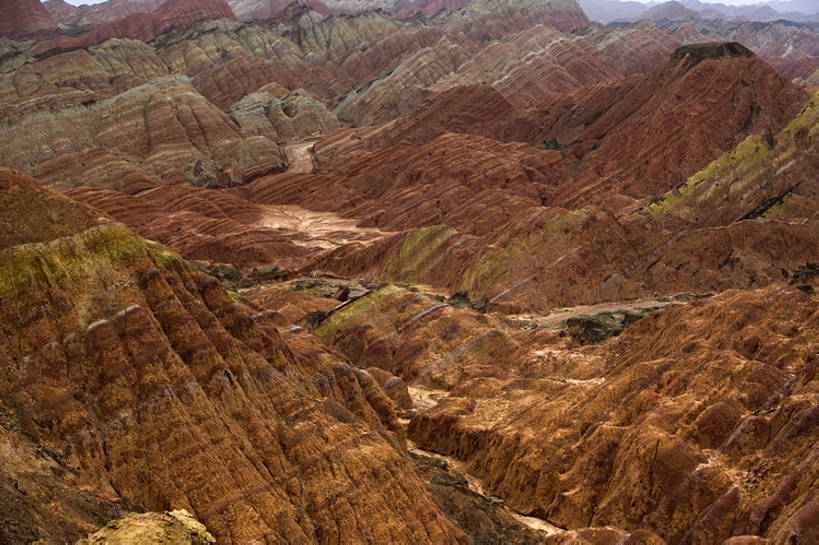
{"x":164,"y":392}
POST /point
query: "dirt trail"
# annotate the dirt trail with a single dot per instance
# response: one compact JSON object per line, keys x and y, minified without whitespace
{"x":311,"y":228}
{"x":317,"y":229}
{"x":556,"y":319}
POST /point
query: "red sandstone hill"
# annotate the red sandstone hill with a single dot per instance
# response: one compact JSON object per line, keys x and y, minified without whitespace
{"x":102,"y":12}
{"x":130,"y":380}
{"x":24,"y":16}
{"x":698,"y":423}
{"x":482,"y":213}
{"x":146,"y":26}
{"x":160,"y":391}
{"x":609,"y":141}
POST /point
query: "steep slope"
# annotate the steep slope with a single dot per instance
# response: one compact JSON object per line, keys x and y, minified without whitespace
{"x":633,"y":49}
{"x":483,"y":20}
{"x":606,"y":135}
{"x":162,"y":389}
{"x":792,"y":48}
{"x":669,"y":11}
{"x":169,"y":528}
{"x":685,"y":101}
{"x":258,"y":10}
{"x":699,"y":422}
{"x":24,"y":16}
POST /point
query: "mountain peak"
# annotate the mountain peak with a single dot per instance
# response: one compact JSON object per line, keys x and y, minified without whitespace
{"x":24,"y":16}
{"x":693,"y":54}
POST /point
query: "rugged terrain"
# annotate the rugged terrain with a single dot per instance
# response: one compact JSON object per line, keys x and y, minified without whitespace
{"x":407,"y":271}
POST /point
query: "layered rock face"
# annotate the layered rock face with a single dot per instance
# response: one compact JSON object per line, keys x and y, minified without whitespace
{"x":159,"y":133}
{"x":652,"y":441}
{"x":791,"y":48}
{"x":258,"y":10}
{"x":635,"y":49}
{"x":146,"y":26}
{"x":219,"y":417}
{"x":24,"y":16}
{"x":532,"y":206}
{"x":294,"y":116}
{"x":603,"y":243}
{"x":95,"y":14}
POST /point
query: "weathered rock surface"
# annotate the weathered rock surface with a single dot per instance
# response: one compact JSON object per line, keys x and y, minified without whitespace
{"x":294,"y":116}
{"x":634,"y":49}
{"x":531,"y":64}
{"x":417,"y":338}
{"x":145,"y":26}
{"x":510,"y":166}
{"x":169,"y":528}
{"x":95,"y":14}
{"x":482,"y":518}
{"x":676,"y":430}
{"x":792,"y":48}
{"x":24,"y":16}
{"x":41,"y":497}
{"x":258,"y":10}
{"x":670,"y":11}
{"x":474,"y":193}
{"x":162,"y":389}
{"x":159,"y":133}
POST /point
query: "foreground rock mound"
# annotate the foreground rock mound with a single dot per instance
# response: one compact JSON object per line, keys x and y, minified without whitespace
{"x":145,"y":379}
{"x":169,"y":528}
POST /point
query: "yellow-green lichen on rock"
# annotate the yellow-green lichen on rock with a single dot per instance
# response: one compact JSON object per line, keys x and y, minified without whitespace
{"x":746,"y":172}
{"x":354,"y":308}
{"x":417,"y":253}
{"x":512,"y":256}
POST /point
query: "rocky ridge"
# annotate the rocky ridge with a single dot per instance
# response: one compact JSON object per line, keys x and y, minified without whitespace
{"x":597,"y":122}
{"x":740,"y":461}
{"x":249,"y":413}
{"x":268,"y":387}
{"x":24,"y":17}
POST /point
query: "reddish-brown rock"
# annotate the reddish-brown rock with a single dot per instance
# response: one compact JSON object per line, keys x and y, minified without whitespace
{"x":634,"y":49}
{"x":159,"y":133}
{"x":699,"y":424}
{"x":170,"y":15}
{"x":101,"y":12}
{"x":24,"y":16}
{"x":165,"y":390}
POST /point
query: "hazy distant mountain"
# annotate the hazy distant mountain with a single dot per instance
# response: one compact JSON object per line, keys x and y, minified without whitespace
{"x":606,"y":11}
